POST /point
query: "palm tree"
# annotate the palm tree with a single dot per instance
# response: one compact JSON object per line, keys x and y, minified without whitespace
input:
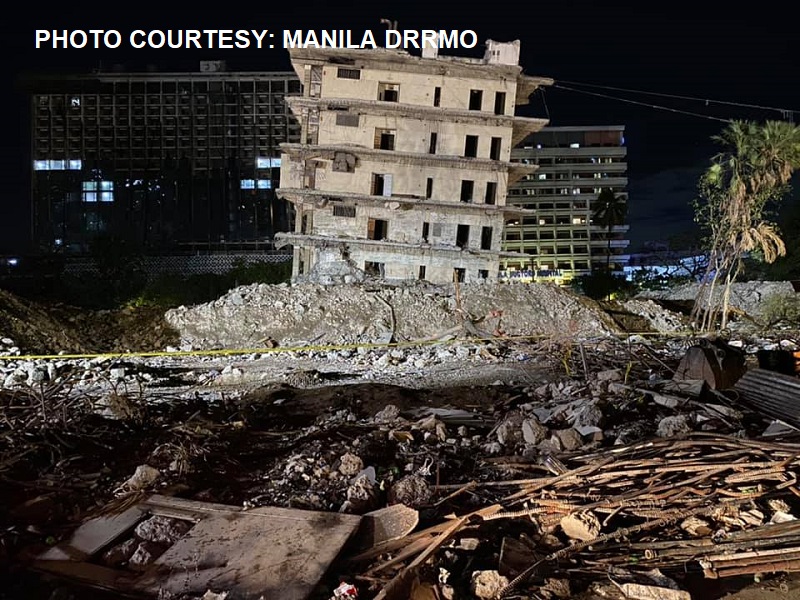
{"x":608,"y":211}
{"x":750,"y":174}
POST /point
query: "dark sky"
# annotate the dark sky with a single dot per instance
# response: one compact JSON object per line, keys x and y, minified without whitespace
{"x":711,"y":50}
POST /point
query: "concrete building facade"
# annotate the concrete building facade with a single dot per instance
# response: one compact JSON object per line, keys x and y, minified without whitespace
{"x":574,"y":165}
{"x":404,"y":162}
{"x":165,"y":161}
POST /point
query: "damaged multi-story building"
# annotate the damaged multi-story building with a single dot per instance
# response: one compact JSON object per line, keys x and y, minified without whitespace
{"x":404,"y":161}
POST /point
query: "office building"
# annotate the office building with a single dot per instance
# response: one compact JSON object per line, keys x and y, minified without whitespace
{"x":164,"y":161}
{"x":574,"y":165}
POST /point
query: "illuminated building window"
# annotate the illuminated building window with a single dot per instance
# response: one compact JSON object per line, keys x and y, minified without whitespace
{"x":248,"y":184}
{"x":264,"y":184}
{"x":94,"y":191}
{"x":57,"y":165}
{"x":262,"y":162}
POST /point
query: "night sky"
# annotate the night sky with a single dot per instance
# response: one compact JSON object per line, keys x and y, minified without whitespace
{"x":708,"y":50}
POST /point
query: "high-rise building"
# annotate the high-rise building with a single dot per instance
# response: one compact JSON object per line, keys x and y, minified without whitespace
{"x":560,"y":240}
{"x":403,"y":165}
{"x":160,"y":160}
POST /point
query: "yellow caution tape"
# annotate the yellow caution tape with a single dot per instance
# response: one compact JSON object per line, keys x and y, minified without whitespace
{"x":328,"y":347}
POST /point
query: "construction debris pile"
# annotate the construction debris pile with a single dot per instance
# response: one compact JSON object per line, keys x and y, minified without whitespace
{"x":747,"y":298}
{"x":626,"y":469}
{"x":306,"y":314}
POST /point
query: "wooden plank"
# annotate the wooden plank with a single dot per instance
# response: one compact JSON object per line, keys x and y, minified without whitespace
{"x":385,"y":524}
{"x":96,"y":576}
{"x":400,"y":587}
{"x":180,"y":508}
{"x":264,"y":552}
{"x":94,"y":535}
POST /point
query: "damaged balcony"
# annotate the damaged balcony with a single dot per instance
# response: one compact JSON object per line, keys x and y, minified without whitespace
{"x":324,"y":241}
{"x":321,"y":198}
{"x":300,"y":152}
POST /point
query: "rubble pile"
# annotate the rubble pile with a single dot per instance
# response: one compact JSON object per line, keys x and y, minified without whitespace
{"x":41,"y":329}
{"x":300,"y":314}
{"x":659,"y":318}
{"x":36,"y":329}
{"x":746,"y":297}
{"x":610,"y":464}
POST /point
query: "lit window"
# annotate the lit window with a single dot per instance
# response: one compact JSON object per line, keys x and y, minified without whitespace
{"x":75,"y":101}
{"x":59,"y":242}
{"x":89,"y":185}
{"x":106,"y":196}
{"x":106,"y":185}
{"x":248,"y":184}
{"x":542,"y":176}
{"x":574,"y":145}
{"x":41,"y":165}
{"x":57,"y":165}
{"x":262,"y":162}
{"x":90,"y":196}
{"x":75,"y":165}
{"x":264,"y":184}
{"x":538,"y":146}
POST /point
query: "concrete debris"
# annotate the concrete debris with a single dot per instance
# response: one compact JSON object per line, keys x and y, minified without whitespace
{"x":717,"y":363}
{"x":748,"y":297}
{"x":345,"y":314}
{"x":144,"y":477}
{"x":350,"y":464}
{"x":162,"y":530}
{"x":675,"y":426}
{"x":557,"y":443}
{"x":533,"y":432}
{"x":412,"y":491}
{"x":583,"y":526}
{"x":659,"y":318}
{"x":487,"y":584}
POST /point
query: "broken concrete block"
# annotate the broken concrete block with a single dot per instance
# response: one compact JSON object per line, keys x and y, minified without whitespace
{"x":487,"y":584}
{"x":582,"y":526}
{"x":145,"y":554}
{"x":587,"y":415}
{"x":509,"y":432}
{"x":593,"y":434}
{"x":162,"y":530}
{"x":121,"y":553}
{"x":533,"y":432}
{"x":610,"y":375}
{"x":411,"y":490}
{"x":350,"y":464}
{"x":569,"y":438}
{"x":388,"y":414}
{"x":674,"y":426}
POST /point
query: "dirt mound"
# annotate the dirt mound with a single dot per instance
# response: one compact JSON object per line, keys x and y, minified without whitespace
{"x":42,"y":329}
{"x":35,"y":329}
{"x":346,"y":314}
